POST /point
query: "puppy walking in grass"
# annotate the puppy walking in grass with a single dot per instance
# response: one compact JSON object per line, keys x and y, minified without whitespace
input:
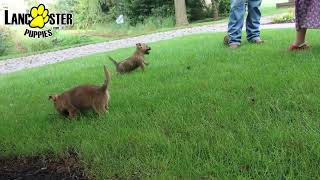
{"x":84,"y":97}
{"x":135,"y":61}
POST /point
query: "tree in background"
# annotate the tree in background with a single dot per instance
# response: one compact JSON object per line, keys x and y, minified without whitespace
{"x":32,"y":3}
{"x":90,"y":12}
{"x":223,"y":7}
{"x":137,"y":11}
{"x":181,"y":12}
{"x":220,"y":8}
{"x":215,"y":10}
{"x":154,"y":12}
{"x":65,"y":6}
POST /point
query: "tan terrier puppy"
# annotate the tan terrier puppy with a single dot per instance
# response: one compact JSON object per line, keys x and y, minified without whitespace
{"x":135,"y":61}
{"x":84,"y":97}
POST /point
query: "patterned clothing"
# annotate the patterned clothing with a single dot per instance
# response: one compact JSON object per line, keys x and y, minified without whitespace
{"x":308,"y":14}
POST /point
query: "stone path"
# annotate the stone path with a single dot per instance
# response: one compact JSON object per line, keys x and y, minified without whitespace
{"x":17,"y":64}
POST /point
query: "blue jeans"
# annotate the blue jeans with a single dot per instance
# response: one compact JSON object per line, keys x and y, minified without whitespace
{"x":237,"y":12}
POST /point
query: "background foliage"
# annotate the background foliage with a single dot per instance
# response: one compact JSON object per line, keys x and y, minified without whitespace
{"x":94,"y":21}
{"x":5,"y":39}
{"x":135,"y":11}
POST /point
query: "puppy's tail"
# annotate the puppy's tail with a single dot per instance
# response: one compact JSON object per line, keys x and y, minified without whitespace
{"x":114,"y":61}
{"x":107,"y":80}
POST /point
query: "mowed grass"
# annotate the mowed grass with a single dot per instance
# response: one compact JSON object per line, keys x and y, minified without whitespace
{"x":199,"y":110}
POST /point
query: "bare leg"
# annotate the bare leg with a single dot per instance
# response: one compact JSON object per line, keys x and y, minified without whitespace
{"x":300,"y":38}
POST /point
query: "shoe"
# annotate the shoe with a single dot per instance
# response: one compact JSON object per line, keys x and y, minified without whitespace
{"x":257,"y":41}
{"x":234,"y":46}
{"x":231,"y":46}
{"x":226,"y":40}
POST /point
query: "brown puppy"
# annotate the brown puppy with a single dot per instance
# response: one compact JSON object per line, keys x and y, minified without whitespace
{"x":73,"y":101}
{"x":135,"y":61}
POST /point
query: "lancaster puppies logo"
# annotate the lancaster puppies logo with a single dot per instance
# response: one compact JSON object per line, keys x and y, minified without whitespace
{"x":38,"y":18}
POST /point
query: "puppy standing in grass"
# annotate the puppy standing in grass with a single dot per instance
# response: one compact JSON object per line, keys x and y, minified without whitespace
{"x":135,"y":61}
{"x":73,"y":101}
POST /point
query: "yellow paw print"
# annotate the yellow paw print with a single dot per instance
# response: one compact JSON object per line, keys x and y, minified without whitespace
{"x":40,"y":16}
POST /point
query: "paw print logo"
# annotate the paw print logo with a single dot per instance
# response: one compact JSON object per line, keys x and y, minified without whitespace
{"x":40,"y":16}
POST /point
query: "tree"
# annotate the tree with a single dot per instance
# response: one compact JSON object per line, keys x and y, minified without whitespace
{"x":138,"y":11}
{"x":64,"y":6}
{"x":215,"y":9}
{"x":181,"y":12}
{"x":32,"y":3}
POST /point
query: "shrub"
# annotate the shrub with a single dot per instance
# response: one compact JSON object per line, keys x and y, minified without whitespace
{"x":40,"y":45}
{"x":196,"y":9}
{"x":137,"y":11}
{"x":150,"y":24}
{"x":6,"y":40}
{"x":159,"y":22}
{"x":90,"y":12}
{"x":288,"y":17}
{"x":223,"y":7}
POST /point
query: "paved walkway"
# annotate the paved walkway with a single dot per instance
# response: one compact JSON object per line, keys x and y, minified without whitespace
{"x":17,"y":64}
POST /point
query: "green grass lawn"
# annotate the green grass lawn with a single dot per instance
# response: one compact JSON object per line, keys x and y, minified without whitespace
{"x":267,"y":3}
{"x":199,"y":110}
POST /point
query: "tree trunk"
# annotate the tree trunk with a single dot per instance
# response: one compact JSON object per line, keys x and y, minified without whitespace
{"x":215,"y":10}
{"x":181,"y":12}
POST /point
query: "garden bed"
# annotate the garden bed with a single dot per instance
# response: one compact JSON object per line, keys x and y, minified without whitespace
{"x":42,"y":167}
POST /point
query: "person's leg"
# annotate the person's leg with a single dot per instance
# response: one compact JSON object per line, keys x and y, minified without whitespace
{"x":300,"y":43}
{"x":253,"y":21}
{"x":300,"y":37}
{"x":301,"y":7}
{"x":235,"y":24}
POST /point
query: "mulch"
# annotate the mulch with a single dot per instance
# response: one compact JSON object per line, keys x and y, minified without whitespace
{"x":42,"y":167}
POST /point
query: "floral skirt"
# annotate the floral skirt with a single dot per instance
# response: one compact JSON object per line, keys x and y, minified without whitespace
{"x":308,"y":14}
